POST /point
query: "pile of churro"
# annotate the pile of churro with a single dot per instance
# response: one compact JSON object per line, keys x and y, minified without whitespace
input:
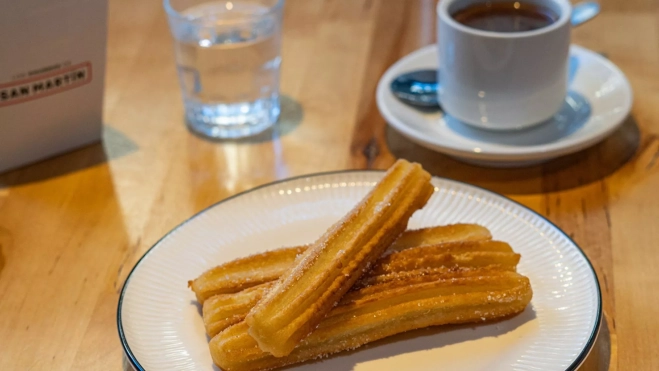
{"x":365,"y":279}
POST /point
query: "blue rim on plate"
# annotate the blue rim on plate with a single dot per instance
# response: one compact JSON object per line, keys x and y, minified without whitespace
{"x":575,"y":364}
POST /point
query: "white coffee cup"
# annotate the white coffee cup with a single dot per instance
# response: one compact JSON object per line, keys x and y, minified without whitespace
{"x":499,"y":80}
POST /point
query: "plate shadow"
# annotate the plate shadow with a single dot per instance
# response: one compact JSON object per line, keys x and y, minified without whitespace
{"x":599,"y":357}
{"x":567,"y":172}
{"x":290,"y":118}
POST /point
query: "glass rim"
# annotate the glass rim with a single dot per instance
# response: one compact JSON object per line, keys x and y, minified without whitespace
{"x":173,"y":13}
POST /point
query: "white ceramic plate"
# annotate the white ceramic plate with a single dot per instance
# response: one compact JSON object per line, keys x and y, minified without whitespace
{"x":599,"y":100}
{"x":161,"y":329}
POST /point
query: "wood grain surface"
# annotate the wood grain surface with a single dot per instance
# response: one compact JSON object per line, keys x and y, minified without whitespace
{"x":72,"y":227}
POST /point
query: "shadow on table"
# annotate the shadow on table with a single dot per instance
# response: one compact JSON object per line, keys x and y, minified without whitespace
{"x":571,"y":171}
{"x":125,"y":364}
{"x":114,"y":145}
{"x":289,"y":119}
{"x":599,"y":357}
{"x":5,"y":244}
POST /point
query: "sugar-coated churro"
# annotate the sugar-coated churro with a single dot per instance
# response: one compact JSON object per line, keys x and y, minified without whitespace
{"x":246,"y":272}
{"x":507,"y":260}
{"x":439,"y":235}
{"x":254,"y":270}
{"x":224,"y":310}
{"x":383,"y":310}
{"x":301,"y":298}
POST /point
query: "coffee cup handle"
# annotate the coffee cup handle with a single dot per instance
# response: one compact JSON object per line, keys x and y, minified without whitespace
{"x":583,"y":12}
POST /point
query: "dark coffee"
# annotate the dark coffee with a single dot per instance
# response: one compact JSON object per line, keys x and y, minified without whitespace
{"x":507,"y":16}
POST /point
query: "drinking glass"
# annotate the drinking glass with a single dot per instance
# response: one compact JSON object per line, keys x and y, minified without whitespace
{"x":228,"y":58}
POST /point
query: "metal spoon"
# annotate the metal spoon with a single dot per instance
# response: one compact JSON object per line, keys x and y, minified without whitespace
{"x":419,"y":88}
{"x":584,"y":12}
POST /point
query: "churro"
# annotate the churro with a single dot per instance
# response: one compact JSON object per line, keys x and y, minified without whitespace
{"x":240,"y":274}
{"x":254,"y":270}
{"x":383,"y":310}
{"x":221,"y":311}
{"x":467,"y":259}
{"x":301,"y":298}
{"x":439,"y":235}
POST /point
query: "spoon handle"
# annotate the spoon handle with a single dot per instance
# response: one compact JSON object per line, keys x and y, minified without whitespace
{"x":583,"y":12}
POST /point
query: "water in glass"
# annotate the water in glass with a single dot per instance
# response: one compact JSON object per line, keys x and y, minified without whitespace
{"x":228,"y":59}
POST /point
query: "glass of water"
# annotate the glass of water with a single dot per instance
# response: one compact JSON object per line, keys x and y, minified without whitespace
{"x":228,"y":57}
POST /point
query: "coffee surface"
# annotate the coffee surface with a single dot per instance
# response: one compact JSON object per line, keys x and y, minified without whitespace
{"x":508,"y":16}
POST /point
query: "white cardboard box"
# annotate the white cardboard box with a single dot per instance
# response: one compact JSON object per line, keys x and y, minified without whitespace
{"x":52,"y":64}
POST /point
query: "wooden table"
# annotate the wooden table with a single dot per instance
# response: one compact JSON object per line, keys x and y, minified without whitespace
{"x":72,"y":227}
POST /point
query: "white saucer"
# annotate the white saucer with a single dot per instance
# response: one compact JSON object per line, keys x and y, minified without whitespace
{"x":599,"y":100}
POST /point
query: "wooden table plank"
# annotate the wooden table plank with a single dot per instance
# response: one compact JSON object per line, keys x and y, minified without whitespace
{"x":72,"y":227}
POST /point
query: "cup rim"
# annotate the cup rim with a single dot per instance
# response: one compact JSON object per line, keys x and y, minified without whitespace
{"x":443,"y":14}
{"x":173,"y":13}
